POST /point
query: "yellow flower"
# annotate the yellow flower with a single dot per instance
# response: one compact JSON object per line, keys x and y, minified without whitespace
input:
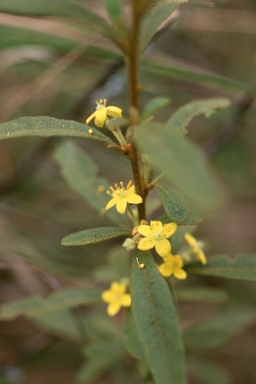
{"x":100,"y":115}
{"x":196,"y":247}
{"x":116,"y":297}
{"x":156,"y":236}
{"x":172,"y":266}
{"x":122,"y":196}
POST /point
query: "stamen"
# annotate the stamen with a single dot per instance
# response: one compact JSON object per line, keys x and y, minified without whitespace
{"x":101,"y":101}
{"x":108,"y":192}
{"x":129,"y":184}
{"x":112,"y":189}
{"x":116,"y":186}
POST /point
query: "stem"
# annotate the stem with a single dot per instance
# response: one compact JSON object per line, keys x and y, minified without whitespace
{"x":133,"y":78}
{"x":135,"y":220}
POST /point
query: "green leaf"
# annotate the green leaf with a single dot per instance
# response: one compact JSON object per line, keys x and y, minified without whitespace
{"x":168,"y":68}
{"x":202,"y":294}
{"x":64,"y":8}
{"x":156,"y":322}
{"x":193,"y":219}
{"x":131,"y":339}
{"x":95,"y":235}
{"x":100,"y":357}
{"x":182,"y":117}
{"x":174,"y":203}
{"x":49,"y":126}
{"x":154,"y":18}
{"x":182,"y":161}
{"x":242,"y":268}
{"x":154,"y":105}
{"x":80,"y":172}
{"x":202,"y":337}
{"x":36,"y":306}
{"x":207,"y":372}
{"x":114,"y":9}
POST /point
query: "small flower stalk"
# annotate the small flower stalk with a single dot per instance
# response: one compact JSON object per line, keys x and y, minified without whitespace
{"x":116,"y":297}
{"x":102,"y":112}
{"x":156,"y":235}
{"x":122,"y":196}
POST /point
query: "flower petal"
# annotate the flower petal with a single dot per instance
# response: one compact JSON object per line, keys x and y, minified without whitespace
{"x":179,"y":273}
{"x":125,"y":300}
{"x":107,"y":296}
{"x":146,"y":243}
{"x":90,"y":118}
{"x":169,"y":229}
{"x":100,"y":117}
{"x":166,"y":269}
{"x":113,"y":308}
{"x":121,"y":205}
{"x":156,"y":226}
{"x":201,"y":256}
{"x":163,"y":247}
{"x":145,"y":230}
{"x":132,"y":189}
{"x":111,"y":203}
{"x":191,"y":240}
{"x":133,"y":198}
{"x":114,"y":111}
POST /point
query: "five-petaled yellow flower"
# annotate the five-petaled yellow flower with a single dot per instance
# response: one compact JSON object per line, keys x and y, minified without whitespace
{"x":172,"y":266}
{"x":122,"y":196}
{"x":156,"y":236}
{"x":116,"y":297}
{"x":196,"y":247}
{"x":100,"y":115}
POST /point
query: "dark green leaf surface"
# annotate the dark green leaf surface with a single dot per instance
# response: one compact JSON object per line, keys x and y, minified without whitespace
{"x":49,"y":126}
{"x":182,"y":117}
{"x":156,"y":322}
{"x":182,"y":161}
{"x":242,"y":268}
{"x":114,"y":9}
{"x":154,"y":105}
{"x":36,"y":306}
{"x":131,"y":339}
{"x":193,"y":219}
{"x":154,"y":18}
{"x":81,"y":173}
{"x":95,"y":235}
{"x":174,"y":203}
{"x":168,"y":68}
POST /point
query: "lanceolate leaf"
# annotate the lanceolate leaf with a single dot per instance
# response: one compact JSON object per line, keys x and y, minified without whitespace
{"x":242,"y":268}
{"x":193,"y":219}
{"x":154,"y":18}
{"x":49,"y":126}
{"x":154,"y":105}
{"x":182,"y":162}
{"x":81,"y":173}
{"x":182,"y":117}
{"x":131,"y":339}
{"x":95,"y":235}
{"x":174,"y":203}
{"x":36,"y":306}
{"x":64,"y":8}
{"x":156,"y":322}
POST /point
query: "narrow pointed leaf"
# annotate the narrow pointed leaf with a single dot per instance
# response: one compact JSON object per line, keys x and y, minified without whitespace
{"x":155,"y":16}
{"x":49,"y":126}
{"x":95,"y":235}
{"x":154,"y":105}
{"x":81,"y":173}
{"x":64,"y":8}
{"x":182,"y":117}
{"x":202,"y":294}
{"x":156,"y":321}
{"x":203,"y":337}
{"x":36,"y":306}
{"x":131,"y":339}
{"x":242,"y":268}
{"x":174,"y":203}
{"x":207,"y":372}
{"x":114,"y":9}
{"x":182,"y":161}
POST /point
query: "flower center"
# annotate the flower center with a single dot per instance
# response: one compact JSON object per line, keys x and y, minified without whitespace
{"x":122,"y":193}
{"x":158,"y":236}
